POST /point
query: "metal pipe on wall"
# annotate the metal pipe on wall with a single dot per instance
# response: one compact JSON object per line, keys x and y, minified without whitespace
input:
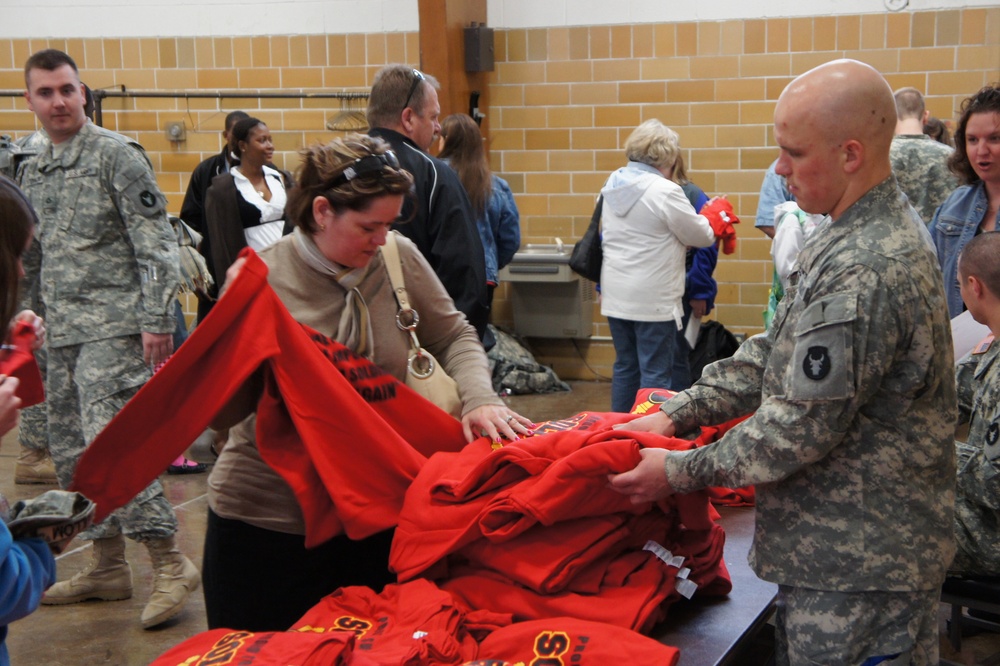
{"x":101,"y":94}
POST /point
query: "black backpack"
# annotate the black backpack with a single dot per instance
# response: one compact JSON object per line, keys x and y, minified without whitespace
{"x":714,"y":342}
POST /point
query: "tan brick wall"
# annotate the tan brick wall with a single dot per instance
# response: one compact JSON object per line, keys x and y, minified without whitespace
{"x":246,"y":64}
{"x":562,"y":102}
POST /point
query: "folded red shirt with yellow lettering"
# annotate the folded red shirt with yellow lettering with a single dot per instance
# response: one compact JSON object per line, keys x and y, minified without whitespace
{"x":410,"y":623}
{"x":568,"y":640}
{"x":271,"y":648}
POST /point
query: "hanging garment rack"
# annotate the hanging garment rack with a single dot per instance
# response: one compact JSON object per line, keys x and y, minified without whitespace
{"x":350,"y":118}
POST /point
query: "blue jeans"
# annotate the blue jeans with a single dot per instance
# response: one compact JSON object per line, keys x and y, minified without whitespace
{"x":644,"y":356}
{"x":180,"y":331}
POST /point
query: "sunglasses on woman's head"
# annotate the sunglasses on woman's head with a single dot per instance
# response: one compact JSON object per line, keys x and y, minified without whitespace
{"x":366,"y":165}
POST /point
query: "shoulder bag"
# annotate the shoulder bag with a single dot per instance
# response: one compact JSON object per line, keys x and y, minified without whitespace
{"x":587,"y":255}
{"x":423,"y":372}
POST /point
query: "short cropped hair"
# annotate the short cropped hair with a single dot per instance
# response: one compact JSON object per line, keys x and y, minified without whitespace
{"x":981,"y":258}
{"x":909,"y":104}
{"x":653,"y":143}
{"x":390,"y":91}
{"x":234,"y":117}
{"x":49,"y":60}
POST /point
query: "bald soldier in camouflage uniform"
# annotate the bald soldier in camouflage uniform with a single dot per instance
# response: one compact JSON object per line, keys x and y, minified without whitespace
{"x":977,"y":501}
{"x":108,"y":277}
{"x":853,"y":398}
{"x":919,"y":162}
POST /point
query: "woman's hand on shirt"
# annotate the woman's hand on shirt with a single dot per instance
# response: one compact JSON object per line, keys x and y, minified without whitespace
{"x":496,"y":422}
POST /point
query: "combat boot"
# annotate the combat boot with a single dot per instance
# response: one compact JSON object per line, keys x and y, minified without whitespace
{"x":34,"y":466}
{"x":174,"y":578}
{"x":107,"y":578}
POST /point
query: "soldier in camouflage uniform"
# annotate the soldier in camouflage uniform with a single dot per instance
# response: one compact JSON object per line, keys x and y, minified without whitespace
{"x":977,"y":500}
{"x":919,"y":162}
{"x":853,"y":398}
{"x":108,"y":277}
{"x":34,"y":464}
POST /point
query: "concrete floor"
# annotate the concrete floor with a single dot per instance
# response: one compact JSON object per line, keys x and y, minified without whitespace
{"x":94,"y":633}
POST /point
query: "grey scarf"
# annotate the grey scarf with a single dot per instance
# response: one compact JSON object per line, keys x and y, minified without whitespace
{"x":355,"y":327}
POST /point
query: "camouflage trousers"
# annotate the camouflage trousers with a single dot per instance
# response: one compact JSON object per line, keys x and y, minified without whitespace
{"x":847,"y":628}
{"x":33,"y":428}
{"x":86,"y":386}
{"x":975,"y":528}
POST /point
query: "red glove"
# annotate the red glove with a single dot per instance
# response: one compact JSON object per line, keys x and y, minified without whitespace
{"x":720,"y":215}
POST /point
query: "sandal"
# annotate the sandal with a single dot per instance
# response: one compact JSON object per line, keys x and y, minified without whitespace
{"x":184,"y":466}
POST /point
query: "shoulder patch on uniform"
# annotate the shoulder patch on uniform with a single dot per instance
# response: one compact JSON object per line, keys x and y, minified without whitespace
{"x":992,"y":449}
{"x":147,"y":198}
{"x":984,"y":345}
{"x":816,"y":364}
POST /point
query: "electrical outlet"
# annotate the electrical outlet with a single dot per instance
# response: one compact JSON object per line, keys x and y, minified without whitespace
{"x":175,"y":131}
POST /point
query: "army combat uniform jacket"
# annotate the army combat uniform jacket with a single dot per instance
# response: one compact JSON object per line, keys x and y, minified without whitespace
{"x":920,"y":165}
{"x":977,"y":501}
{"x":850,"y":446}
{"x":109,"y":263}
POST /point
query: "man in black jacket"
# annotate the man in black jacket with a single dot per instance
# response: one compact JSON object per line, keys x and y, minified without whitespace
{"x":403,"y":110}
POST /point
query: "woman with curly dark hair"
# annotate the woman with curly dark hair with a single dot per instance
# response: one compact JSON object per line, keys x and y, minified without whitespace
{"x":974,"y":207}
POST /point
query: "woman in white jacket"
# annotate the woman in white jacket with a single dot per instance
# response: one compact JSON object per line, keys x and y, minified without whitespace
{"x":647,"y":225}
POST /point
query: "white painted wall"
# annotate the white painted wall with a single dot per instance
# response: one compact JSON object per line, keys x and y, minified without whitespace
{"x":189,"y":18}
{"x":544,"y":13}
